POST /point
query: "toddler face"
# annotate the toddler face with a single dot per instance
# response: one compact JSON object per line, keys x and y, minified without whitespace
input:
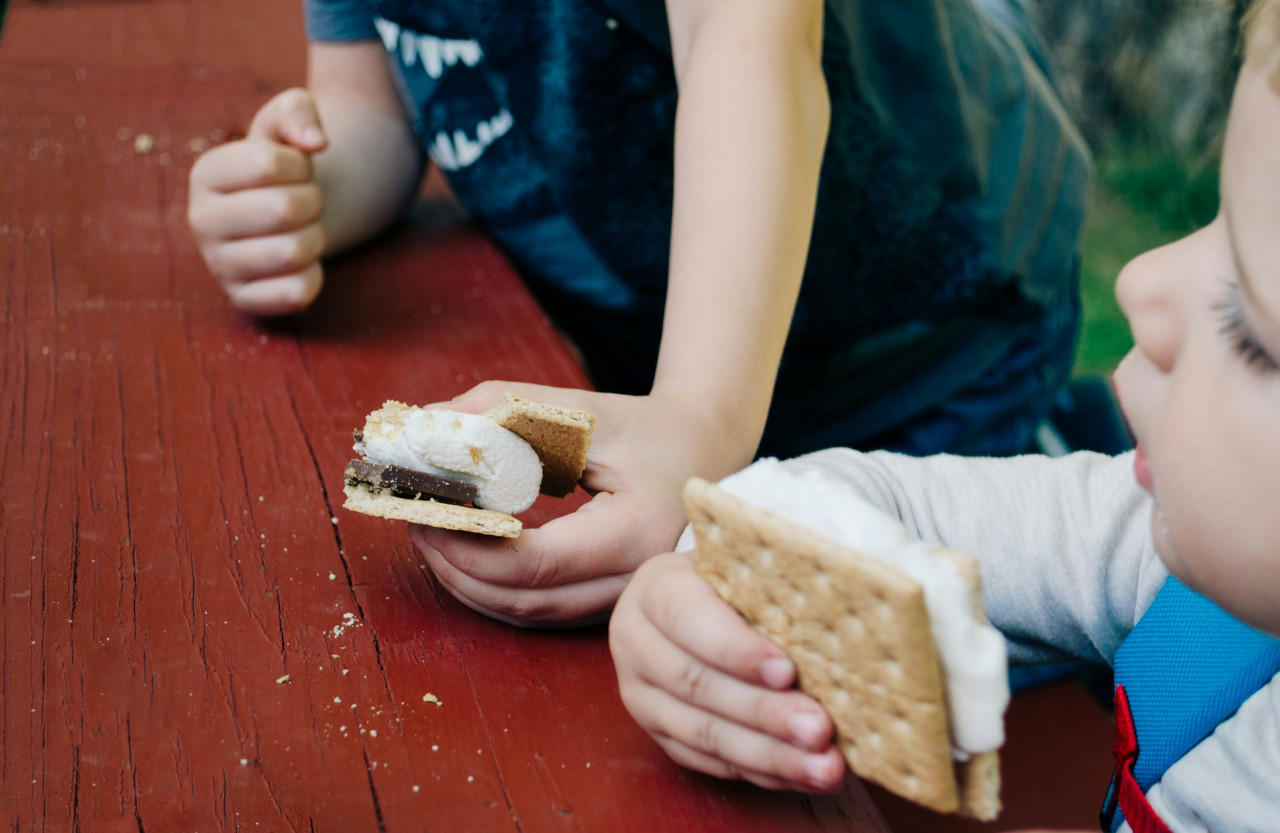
{"x":1201,"y":388}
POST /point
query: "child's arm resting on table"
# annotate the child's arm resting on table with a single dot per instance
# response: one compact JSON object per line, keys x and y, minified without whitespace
{"x":321,"y":168}
{"x":750,"y":134}
{"x":374,"y":163}
{"x":751,"y":128}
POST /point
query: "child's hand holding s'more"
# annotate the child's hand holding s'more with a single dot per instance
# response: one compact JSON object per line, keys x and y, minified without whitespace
{"x":797,"y":580}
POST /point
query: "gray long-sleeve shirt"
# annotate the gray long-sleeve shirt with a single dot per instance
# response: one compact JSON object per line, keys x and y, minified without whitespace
{"x":1068,"y":567}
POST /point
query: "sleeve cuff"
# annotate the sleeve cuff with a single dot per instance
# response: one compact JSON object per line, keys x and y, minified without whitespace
{"x":339,"y":20}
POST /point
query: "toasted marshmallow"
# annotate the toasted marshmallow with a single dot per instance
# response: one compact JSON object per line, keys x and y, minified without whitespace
{"x":504,"y":468}
{"x":973,"y":653}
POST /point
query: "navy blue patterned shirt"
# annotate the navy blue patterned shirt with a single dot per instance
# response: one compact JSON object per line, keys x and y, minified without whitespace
{"x":951,"y":198}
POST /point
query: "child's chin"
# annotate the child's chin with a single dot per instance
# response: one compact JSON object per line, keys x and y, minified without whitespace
{"x":1164,"y":546}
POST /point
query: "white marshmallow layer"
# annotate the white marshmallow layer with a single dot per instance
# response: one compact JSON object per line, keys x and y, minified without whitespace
{"x":504,"y":468}
{"x":973,"y":653}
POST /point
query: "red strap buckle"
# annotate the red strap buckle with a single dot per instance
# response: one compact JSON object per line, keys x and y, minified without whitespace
{"x":1125,"y":790}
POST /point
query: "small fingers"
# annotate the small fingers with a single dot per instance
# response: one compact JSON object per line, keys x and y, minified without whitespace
{"x":255,"y":212}
{"x":683,"y":606}
{"x":488,"y":394}
{"x":290,"y":117}
{"x":480,"y":398}
{"x":251,"y":258}
{"x":691,"y":758}
{"x":705,"y":719}
{"x":821,"y":781}
{"x":249,"y":163}
{"x":789,"y":716}
{"x":647,"y":656}
{"x":603,"y":537}
{"x":711,"y":742}
{"x":577,"y":603}
{"x":279,"y":295}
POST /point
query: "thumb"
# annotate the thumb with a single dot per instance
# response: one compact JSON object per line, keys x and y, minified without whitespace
{"x":480,"y":398}
{"x":290,"y":118}
{"x":486,"y":395}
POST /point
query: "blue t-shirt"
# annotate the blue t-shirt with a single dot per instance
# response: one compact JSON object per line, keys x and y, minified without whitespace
{"x":951,"y":198}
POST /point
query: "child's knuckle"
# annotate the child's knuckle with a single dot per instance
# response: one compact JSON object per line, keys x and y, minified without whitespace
{"x":295,"y":98}
{"x":219,"y":265}
{"x":708,"y":736}
{"x":542,"y":570}
{"x":294,"y":252}
{"x":305,"y":202}
{"x":199,"y":173}
{"x":691,"y":680}
{"x":285,"y":208}
{"x":265,"y":161}
{"x":492,"y":387}
{"x":529,"y":607}
{"x":279,"y":207}
{"x":764,"y":712}
{"x":298,"y":292}
{"x":197,"y":218}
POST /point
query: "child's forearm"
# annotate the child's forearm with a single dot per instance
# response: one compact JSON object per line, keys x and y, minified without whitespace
{"x":750,"y":133}
{"x":373,"y":164}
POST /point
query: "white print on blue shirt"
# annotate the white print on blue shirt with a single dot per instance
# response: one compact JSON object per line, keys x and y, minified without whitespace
{"x":435,"y":56}
{"x":462,"y":151}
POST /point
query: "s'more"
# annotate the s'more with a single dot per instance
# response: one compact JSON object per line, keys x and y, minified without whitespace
{"x":466,"y":472}
{"x":887,"y":633}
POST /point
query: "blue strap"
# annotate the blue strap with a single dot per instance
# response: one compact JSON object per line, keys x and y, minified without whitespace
{"x":1187,"y":666}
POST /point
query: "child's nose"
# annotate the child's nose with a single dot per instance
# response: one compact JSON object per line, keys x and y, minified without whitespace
{"x":1145,"y":291}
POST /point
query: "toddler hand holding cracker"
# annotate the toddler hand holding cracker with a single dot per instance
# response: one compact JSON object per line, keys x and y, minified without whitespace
{"x":714,"y":693}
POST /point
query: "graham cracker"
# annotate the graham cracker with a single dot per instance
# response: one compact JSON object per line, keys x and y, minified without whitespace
{"x":858,"y":632}
{"x":561,"y":437}
{"x":431,"y":513}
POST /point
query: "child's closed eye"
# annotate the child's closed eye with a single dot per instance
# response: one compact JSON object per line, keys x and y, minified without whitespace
{"x":1243,"y":340}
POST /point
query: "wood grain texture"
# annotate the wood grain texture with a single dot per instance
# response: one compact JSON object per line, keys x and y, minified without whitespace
{"x":194,"y":635}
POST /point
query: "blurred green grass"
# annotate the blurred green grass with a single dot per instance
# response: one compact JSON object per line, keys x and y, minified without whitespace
{"x":1145,"y":197}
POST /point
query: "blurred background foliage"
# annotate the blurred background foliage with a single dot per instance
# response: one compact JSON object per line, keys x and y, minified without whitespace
{"x":1149,"y":83}
{"x":1145,"y":196}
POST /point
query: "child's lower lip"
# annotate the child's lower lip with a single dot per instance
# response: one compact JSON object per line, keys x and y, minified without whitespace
{"x":1141,"y":470}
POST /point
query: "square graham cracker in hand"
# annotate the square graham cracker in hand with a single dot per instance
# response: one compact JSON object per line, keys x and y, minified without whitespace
{"x":858,"y":632}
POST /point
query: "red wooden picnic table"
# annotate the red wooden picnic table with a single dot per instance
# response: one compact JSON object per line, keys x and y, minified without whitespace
{"x":194,"y":634}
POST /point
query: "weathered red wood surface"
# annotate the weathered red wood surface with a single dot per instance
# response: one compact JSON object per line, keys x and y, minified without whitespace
{"x":1054,"y":768}
{"x":195,"y":636}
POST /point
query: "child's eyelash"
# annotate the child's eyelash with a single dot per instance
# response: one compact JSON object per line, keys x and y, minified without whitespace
{"x":1237,"y":331}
